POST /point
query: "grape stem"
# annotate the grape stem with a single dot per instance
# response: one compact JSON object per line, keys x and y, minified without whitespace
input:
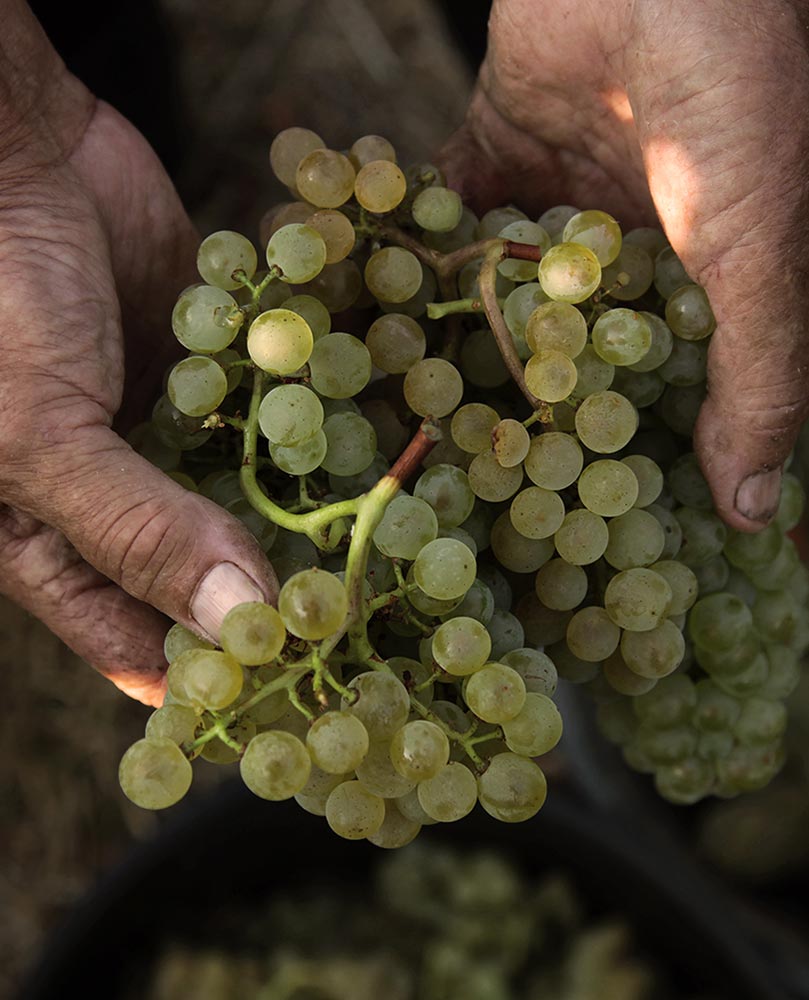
{"x":438,"y":310}
{"x":316,"y":523}
{"x":371,"y":508}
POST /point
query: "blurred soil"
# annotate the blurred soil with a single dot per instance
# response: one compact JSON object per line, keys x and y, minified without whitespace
{"x":248,"y":68}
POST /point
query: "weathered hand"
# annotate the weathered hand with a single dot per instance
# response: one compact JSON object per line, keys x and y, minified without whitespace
{"x":695,"y":111}
{"x":93,"y":539}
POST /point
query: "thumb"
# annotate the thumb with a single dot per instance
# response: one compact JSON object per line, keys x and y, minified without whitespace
{"x":164,"y":545}
{"x":729,"y":184}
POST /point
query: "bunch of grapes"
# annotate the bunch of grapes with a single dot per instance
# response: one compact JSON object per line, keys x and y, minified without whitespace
{"x":465,"y":445}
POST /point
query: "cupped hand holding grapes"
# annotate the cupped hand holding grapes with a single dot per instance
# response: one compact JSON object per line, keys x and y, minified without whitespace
{"x":94,"y":540}
{"x":696,"y":113}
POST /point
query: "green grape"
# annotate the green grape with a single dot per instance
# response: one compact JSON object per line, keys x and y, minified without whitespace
{"x":591,"y":635}
{"x":446,"y":489}
{"x":288,"y":149}
{"x":685,"y":782}
{"x":749,"y":681}
{"x":313,"y":604}
{"x":514,"y":551}
{"x":433,"y":387}
{"x":732,"y":660}
{"x":666,"y":746}
{"x":179,"y":639}
{"x":495,"y":219}
{"x":621,"y":337}
{"x":669,"y":703}
{"x":284,"y":214}
{"x":154,"y":773}
{"x":481,"y":362}
{"x":279,"y":341}
{"x":275,"y":765}
{"x":313,"y":311}
{"x":561,"y":585}
{"x":379,"y":186}
{"x":597,"y":231}
{"x":302,"y":458}
{"x":791,"y":504}
{"x":661,"y":346}
{"x":205,"y":319}
{"x":655,"y":652}
{"x":536,"y":669}
{"x":416,"y":304}
{"x":569,"y":272}
{"x":510,"y":442}
{"x":419,"y":750}
{"x":461,"y":646}
{"x":550,"y":375}
{"x":410,"y":807}
{"x":338,"y":286}
{"x":623,"y":680}
{"x":205,"y":678}
{"x":378,"y":776}
{"x":512,"y":789}
{"x":252,"y":633}
{"x":748,"y":551}
{"x":536,"y":729}
{"x":351,"y":444}
{"x":222,"y":254}
{"x":429,"y":606}
{"x":396,"y":342}
{"x":606,"y":422}
{"x":719,"y":621}
{"x":683,"y":583}
{"x":635,"y":539}
{"x":314,"y":794}
{"x":523,"y":231}
{"x":703,"y":533}
{"x":382,"y":703}
{"x":437,"y":209}
{"x":593,"y":374}
{"x":687,"y":483}
{"x":554,"y":220}
{"x":554,"y":461}
{"x":642,"y":389}
{"x":393,"y":274}
{"x":669,"y":273}
{"x":679,"y":407}
{"x":406,"y":527}
{"x":450,"y":794}
{"x":299,"y":251}
{"x":557,"y":326}
{"x":177,"y":723}
{"x":777,"y":574}
{"x":337,"y":232}
{"x":490,"y":481}
{"x":746,"y":769}
{"x":520,"y":305}
{"x":458,"y":237}
{"x":714,"y":746}
{"x":686,"y":365}
{"x":325,"y":178}
{"x":582,"y":537}
{"x":495,"y":693}
{"x":689,"y":314}
{"x":337,"y":742}
{"x":339,"y":366}
{"x":637,"y":599}
{"x":784,"y":673}
{"x":712,"y":575}
{"x":776,"y":616}
{"x":652,"y":239}
{"x":289,"y":414}
{"x":536,"y":513}
{"x":371,"y":147}
{"x":608,"y":488}
{"x":353,"y":812}
{"x":397,"y":830}
{"x":444,"y":569}
{"x":630,"y":275}
{"x":472,"y":426}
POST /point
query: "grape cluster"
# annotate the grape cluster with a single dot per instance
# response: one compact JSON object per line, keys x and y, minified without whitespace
{"x":547,"y":517}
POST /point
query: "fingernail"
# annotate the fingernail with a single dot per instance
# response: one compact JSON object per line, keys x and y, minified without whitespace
{"x":758,"y":495}
{"x":221,"y":589}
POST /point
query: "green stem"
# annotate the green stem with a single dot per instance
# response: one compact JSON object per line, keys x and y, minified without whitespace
{"x":438,"y":310}
{"x":466,"y":740}
{"x":371,"y":509}
{"x":315,"y":524}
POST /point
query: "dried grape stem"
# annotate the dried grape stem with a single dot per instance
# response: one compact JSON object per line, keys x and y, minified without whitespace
{"x":488,"y":294}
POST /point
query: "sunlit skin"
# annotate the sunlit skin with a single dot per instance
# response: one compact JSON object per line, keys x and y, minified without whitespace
{"x":694,"y":113}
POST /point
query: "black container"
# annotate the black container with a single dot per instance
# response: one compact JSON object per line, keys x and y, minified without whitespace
{"x":222,"y":849}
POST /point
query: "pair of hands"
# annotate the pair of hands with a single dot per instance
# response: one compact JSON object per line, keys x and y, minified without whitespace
{"x":694,"y":112}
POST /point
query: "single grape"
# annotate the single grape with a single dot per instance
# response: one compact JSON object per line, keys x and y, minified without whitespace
{"x":325,"y":178}
{"x":289,"y":414}
{"x":437,"y":209}
{"x":393,"y":274}
{"x":313,"y":604}
{"x":433,"y":387}
{"x":280,"y":341}
{"x":536,"y":729}
{"x":444,"y":569}
{"x":205,"y":319}
{"x":496,"y":693}
{"x":512,"y":789}
{"x":379,"y":186}
{"x":461,"y":646}
{"x":288,"y":149}
{"x":252,"y":633}
{"x":569,"y":272}
{"x":353,"y":812}
{"x":419,"y":750}
{"x":597,"y":231}
{"x":205,"y":678}
{"x":275,"y":765}
{"x":395,"y":342}
{"x":337,"y":742}
{"x":154,"y":773}
{"x":408,"y":524}
{"x":382,"y":703}
{"x":223,"y":254}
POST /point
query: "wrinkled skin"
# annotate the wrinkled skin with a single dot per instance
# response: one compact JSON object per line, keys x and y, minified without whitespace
{"x":696,"y":112}
{"x":93,"y":540}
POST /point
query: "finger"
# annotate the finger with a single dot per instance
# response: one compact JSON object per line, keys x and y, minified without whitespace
{"x":162,"y":544}
{"x":119,"y":636}
{"x":728,"y":178}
